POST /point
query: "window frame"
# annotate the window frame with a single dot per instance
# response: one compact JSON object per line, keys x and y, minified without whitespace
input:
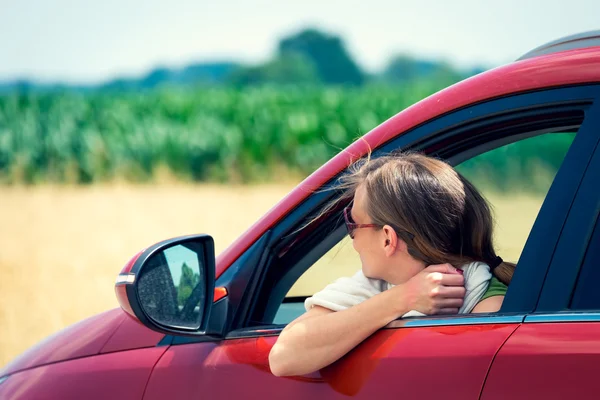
{"x":569,"y":263}
{"x":588,"y":269}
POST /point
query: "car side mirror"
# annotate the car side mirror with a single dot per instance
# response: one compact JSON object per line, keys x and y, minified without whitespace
{"x":169,"y":286}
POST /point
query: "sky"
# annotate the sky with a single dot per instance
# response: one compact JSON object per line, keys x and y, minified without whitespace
{"x":82,"y":41}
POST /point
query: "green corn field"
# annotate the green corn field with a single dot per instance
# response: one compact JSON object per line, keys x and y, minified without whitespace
{"x":216,"y":134}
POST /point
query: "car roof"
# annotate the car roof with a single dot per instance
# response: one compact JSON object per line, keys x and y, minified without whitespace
{"x":571,"y":42}
{"x":564,"y":68}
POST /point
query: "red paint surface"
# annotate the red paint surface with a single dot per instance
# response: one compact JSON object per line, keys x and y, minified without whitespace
{"x":571,"y":67}
{"x":426,"y":363}
{"x":113,"y":376}
{"x":547,"y":361}
{"x":127,"y":268}
{"x":132,"y":334}
{"x":121,"y":293}
{"x":84,"y":338}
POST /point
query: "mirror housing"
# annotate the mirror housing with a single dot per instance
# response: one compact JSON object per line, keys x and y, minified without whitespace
{"x":169,"y":287}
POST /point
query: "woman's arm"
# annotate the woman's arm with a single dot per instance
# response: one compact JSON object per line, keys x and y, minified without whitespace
{"x":491,"y":304}
{"x":320,"y":337}
{"x":323,"y":336}
{"x":492,"y":298}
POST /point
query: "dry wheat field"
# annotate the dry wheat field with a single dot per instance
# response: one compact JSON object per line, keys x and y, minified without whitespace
{"x":61,"y":247}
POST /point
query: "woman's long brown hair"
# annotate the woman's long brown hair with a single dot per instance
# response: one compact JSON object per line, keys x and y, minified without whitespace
{"x":440,"y":215}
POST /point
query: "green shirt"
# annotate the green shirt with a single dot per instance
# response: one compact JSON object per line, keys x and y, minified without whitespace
{"x":495,"y":288}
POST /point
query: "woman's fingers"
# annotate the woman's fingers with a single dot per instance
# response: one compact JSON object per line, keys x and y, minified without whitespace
{"x":448,"y":299}
{"x":452,"y":280}
{"x":439,"y":278}
{"x":451,"y":292}
{"x":443,"y":268}
{"x":437,"y":287}
{"x":450,"y":303}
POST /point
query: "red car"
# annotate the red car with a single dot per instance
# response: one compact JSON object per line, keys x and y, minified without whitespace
{"x":193,"y":327}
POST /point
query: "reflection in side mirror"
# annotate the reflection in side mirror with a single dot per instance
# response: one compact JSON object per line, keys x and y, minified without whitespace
{"x":171,"y":287}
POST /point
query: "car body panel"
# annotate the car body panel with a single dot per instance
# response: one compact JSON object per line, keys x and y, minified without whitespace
{"x":85,"y":338}
{"x":547,"y":361}
{"x":413,"y":358}
{"x":110,"y":331}
{"x":560,"y":69}
{"x":131,"y":334}
{"x":113,"y":376}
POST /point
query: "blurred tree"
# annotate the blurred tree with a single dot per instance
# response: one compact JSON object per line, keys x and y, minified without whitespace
{"x":404,"y":68}
{"x":155,"y":77}
{"x":187,"y":283}
{"x":204,"y":73}
{"x":193,"y":74}
{"x":447,"y":75}
{"x":401,"y":68}
{"x":328,"y":54}
{"x":285,"y":69}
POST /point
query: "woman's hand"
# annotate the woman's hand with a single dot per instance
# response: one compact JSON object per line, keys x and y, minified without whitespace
{"x":437,"y":289}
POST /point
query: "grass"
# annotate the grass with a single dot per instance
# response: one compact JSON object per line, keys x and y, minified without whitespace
{"x":63,"y":246}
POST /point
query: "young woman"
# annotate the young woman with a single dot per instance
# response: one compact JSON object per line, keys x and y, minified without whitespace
{"x":424,"y":237}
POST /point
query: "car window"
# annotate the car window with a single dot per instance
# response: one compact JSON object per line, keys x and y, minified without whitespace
{"x":515,"y":179}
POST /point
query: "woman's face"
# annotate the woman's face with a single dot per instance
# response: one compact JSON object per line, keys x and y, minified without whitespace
{"x":382,"y":254}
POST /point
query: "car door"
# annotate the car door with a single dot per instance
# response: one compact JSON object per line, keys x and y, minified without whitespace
{"x":423,"y":357}
{"x":555,"y":353}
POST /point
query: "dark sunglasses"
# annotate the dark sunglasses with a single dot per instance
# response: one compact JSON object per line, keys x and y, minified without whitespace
{"x":351,"y":225}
